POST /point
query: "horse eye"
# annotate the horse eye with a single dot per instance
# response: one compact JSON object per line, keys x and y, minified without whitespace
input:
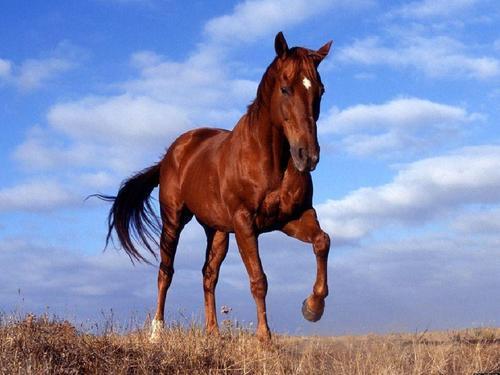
{"x":286,"y":90}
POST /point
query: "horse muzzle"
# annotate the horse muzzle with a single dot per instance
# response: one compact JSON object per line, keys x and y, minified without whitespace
{"x":303,"y":159}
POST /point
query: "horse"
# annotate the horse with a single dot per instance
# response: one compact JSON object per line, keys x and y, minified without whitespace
{"x":248,"y":181}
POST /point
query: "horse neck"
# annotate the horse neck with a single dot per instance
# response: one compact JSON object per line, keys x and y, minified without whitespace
{"x":265,"y":141}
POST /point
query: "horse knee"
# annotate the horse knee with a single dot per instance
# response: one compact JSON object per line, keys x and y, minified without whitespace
{"x":259,"y":287}
{"x":322,"y":245}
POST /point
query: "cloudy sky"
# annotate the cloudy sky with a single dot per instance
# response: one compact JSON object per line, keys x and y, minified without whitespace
{"x":408,"y":185}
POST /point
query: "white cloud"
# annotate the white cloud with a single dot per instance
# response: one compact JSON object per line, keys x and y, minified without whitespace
{"x":97,"y":141}
{"x":5,"y":68}
{"x":420,"y":191}
{"x":97,"y":180}
{"x":41,"y":150}
{"x":396,"y":113}
{"x":125,"y":119}
{"x":381,"y":145}
{"x":128,"y":130}
{"x":365,"y":76}
{"x":35,"y":196}
{"x":435,"y":56}
{"x":201,"y":84}
{"x":482,"y":220}
{"x":144,"y":59}
{"x":35,"y":72}
{"x":434,"y":8}
{"x":252,"y":19}
{"x":394,"y":126}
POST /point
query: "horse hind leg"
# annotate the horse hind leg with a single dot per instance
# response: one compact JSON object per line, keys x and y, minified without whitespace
{"x":173,"y":223}
{"x":217,"y":246}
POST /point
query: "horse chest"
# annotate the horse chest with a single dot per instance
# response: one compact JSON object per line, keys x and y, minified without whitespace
{"x":285,"y":201}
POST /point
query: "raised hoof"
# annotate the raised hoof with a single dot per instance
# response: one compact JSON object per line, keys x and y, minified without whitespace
{"x":156,"y":328}
{"x":312,"y":316}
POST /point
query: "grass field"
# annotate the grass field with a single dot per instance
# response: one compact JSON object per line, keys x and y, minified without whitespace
{"x":43,"y":345}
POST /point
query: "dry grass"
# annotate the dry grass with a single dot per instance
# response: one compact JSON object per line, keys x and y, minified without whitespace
{"x":42,"y":345}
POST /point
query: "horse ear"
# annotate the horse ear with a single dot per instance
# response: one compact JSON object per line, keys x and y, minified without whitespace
{"x":280,"y":45}
{"x":323,"y":51}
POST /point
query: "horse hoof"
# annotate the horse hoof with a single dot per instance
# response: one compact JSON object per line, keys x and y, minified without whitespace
{"x":264,"y":338}
{"x":312,"y":316}
{"x":154,"y":338}
{"x":213,"y":332}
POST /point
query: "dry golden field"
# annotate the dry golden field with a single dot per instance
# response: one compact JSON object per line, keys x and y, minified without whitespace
{"x":42,"y":345}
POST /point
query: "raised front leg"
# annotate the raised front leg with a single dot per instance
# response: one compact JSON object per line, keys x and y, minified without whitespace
{"x":307,"y":229}
{"x":217,"y":245}
{"x":249,"y":251}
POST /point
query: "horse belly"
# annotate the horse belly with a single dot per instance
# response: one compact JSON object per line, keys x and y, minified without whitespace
{"x":210,"y":212}
{"x":201,"y":196}
{"x":201,"y":193}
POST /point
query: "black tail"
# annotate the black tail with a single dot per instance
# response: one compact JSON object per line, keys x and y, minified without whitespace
{"x":132,"y":216}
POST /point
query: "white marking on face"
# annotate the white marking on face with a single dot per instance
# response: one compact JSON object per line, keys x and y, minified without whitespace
{"x":306,"y":83}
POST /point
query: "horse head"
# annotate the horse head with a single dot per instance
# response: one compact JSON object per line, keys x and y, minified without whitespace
{"x":295,"y":99}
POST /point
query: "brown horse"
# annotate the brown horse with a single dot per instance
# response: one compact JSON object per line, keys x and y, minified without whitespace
{"x":253,"y":179}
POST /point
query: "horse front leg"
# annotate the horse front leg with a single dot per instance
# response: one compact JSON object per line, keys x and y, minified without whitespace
{"x":246,"y":239}
{"x":307,"y":229}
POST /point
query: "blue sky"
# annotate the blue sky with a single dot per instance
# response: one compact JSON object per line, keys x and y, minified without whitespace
{"x":408,"y":185}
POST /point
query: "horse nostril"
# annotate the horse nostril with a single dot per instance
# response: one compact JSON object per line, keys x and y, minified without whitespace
{"x":302,"y":153}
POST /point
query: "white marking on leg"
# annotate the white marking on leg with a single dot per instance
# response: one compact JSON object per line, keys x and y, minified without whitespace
{"x":306,"y":83}
{"x":156,"y":328}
